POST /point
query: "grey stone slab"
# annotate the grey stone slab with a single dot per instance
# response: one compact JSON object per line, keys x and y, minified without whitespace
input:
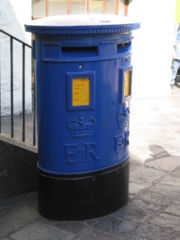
{"x":41,"y":231}
{"x":167,"y":221}
{"x":138,"y":211}
{"x":131,"y":196}
{"x":174,"y":209}
{"x":139,"y":155}
{"x":32,"y":196}
{"x":20,"y":211}
{"x":160,"y":194}
{"x":114,"y":225}
{"x":171,"y":191}
{"x":166,"y":164}
{"x":151,"y":231}
{"x":135,"y":188}
{"x":169,"y":180}
{"x":16,"y":202}
{"x":6,"y":204}
{"x":171,"y":147}
{"x":134,"y":165}
{"x":146,"y":176}
{"x":156,"y":198}
{"x":158,"y":151}
{"x":136,"y":237}
{"x":99,"y":235}
{"x":176,"y":172}
{"x":74,"y":226}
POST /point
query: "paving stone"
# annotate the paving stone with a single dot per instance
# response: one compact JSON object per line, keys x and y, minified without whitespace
{"x":169,"y":180}
{"x":74,"y":226}
{"x":131,"y":196}
{"x":7,"y":204}
{"x":167,"y":221}
{"x":176,"y":172}
{"x":139,"y":156}
{"x":166,"y":164}
{"x":97,"y":235}
{"x":174,"y":208}
{"x":32,"y":196}
{"x":158,"y":151}
{"x":151,"y":231}
{"x":135,"y":188}
{"x":136,"y":237}
{"x":168,"y":190}
{"x":155,"y":198}
{"x":41,"y":231}
{"x":138,"y":211}
{"x":170,"y":146}
{"x":19,"y":214}
{"x":160,"y":194}
{"x":114,"y":225}
{"x":146,"y":176}
{"x":134,"y":165}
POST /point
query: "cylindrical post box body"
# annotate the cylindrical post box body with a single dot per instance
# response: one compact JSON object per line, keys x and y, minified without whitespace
{"x":83,"y":83}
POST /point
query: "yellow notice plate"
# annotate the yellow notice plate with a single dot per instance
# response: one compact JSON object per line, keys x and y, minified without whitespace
{"x":127,"y":76}
{"x":80,"y":92}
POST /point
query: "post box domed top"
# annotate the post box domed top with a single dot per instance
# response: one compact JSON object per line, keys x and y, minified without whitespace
{"x":82,"y":24}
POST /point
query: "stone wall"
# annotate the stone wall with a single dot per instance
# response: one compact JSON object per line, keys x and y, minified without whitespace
{"x":17,"y":169}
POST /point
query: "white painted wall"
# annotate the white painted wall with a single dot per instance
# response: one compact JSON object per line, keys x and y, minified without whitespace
{"x":152,"y":47}
{"x":13,"y":15}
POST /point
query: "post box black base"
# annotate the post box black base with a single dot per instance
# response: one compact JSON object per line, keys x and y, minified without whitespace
{"x":83,"y":196}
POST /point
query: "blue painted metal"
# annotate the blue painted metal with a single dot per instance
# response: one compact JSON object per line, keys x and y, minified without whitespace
{"x":84,"y":139}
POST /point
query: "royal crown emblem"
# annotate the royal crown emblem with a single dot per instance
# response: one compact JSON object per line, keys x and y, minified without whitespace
{"x":82,"y":126}
{"x":123,"y":117}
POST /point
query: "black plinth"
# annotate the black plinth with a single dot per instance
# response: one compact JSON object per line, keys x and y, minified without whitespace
{"x":77,"y":197}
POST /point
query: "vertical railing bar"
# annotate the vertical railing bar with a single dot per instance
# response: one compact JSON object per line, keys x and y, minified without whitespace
{"x":47,"y":8}
{"x":117,"y":7}
{"x":104,"y":6}
{"x":88,"y":6}
{"x":23,"y":93}
{"x":69,"y":7}
{"x":11,"y":86}
{"x":34,"y":109}
{"x":0,"y":89}
{"x":126,"y":8}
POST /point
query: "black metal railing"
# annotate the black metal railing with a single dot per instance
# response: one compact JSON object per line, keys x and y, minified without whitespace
{"x":12,"y":126}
